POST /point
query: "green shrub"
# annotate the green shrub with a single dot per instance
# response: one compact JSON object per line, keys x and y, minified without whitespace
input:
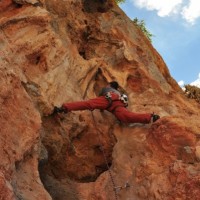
{"x":141,"y":24}
{"x":120,"y":1}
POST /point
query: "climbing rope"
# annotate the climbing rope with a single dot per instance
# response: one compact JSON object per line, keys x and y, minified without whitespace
{"x":104,"y":155}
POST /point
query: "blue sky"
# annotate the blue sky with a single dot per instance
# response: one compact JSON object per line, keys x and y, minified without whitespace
{"x":175,"y":25}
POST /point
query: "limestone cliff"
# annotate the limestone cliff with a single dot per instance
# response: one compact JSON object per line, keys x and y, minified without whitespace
{"x":55,"y":51}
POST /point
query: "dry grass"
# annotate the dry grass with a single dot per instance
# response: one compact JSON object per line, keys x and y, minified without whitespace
{"x":192,"y":92}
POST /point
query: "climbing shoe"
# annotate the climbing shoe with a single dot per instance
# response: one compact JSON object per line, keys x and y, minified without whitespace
{"x":155,"y":117}
{"x":59,"y":110}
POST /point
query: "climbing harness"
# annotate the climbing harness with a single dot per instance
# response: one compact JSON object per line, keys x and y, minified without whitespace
{"x":104,"y":155}
{"x":123,"y":98}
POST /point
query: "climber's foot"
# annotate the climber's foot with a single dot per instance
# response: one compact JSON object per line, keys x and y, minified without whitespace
{"x":59,"y":110}
{"x":154,"y":117}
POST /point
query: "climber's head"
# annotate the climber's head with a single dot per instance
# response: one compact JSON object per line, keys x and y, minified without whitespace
{"x":114,"y":84}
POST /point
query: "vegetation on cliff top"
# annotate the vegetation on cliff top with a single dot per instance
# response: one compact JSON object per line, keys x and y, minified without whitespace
{"x":141,"y":24}
{"x":120,"y":1}
{"x":192,"y":92}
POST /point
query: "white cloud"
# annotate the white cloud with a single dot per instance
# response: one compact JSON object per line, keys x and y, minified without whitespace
{"x":196,"y":82}
{"x":181,"y":83}
{"x":192,"y":11}
{"x":189,"y":10}
{"x":164,"y":8}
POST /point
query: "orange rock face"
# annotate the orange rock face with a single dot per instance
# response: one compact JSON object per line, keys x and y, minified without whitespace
{"x":59,"y":51}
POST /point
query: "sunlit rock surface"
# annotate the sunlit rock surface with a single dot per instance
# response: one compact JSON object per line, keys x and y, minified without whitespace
{"x":59,"y":51}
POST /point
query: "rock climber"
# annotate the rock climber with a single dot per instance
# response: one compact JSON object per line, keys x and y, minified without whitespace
{"x":112,"y":100}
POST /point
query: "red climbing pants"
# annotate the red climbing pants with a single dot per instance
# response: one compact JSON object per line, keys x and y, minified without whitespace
{"x":130,"y":117}
{"x":91,"y":104}
{"x":117,"y":108}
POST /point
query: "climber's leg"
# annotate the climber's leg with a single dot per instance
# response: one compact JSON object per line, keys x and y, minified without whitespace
{"x":126,"y":116}
{"x":96,"y":103}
